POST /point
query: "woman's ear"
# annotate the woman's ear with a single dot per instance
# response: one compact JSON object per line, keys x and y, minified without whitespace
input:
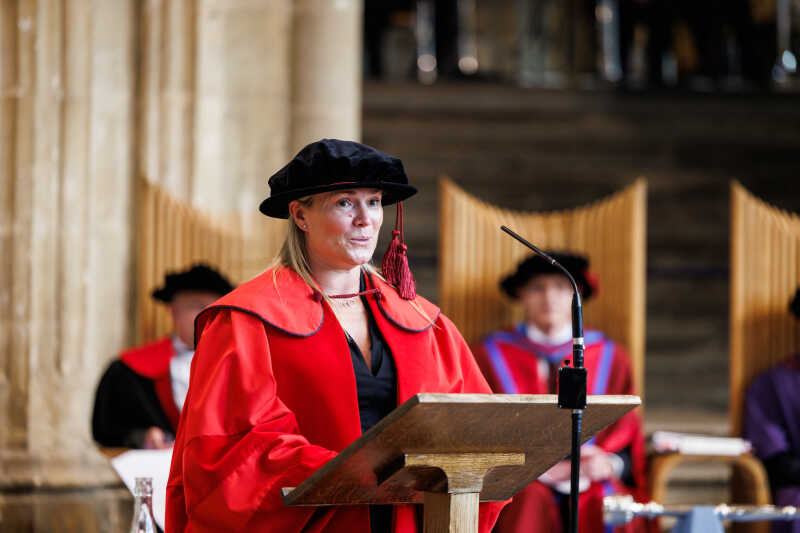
{"x":298,"y":213}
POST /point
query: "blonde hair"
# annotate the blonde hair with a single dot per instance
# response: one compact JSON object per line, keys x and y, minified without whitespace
{"x":293,"y":250}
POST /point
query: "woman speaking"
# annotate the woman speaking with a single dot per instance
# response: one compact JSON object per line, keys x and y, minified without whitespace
{"x":293,"y":365}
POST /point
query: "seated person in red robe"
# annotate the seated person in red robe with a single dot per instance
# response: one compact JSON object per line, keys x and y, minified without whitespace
{"x":525,"y":360}
{"x":772,"y":425}
{"x":141,"y":393}
{"x":294,"y":365}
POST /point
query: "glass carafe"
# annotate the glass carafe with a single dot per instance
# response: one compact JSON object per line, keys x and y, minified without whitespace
{"x":143,"y":521}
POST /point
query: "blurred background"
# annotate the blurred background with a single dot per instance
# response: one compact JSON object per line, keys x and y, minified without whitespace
{"x":138,"y":136}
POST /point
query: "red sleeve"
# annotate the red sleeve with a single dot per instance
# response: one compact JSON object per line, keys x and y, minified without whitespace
{"x":472,"y":381}
{"x":482,"y":359}
{"x":627,"y":432}
{"x":624,"y":431}
{"x":238,"y":444}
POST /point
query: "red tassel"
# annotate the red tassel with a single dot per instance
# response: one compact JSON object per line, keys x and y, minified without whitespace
{"x":395,"y":261}
{"x":406,"y":287}
{"x":389,"y":265}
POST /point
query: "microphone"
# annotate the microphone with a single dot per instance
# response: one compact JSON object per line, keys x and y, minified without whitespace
{"x":577,"y":309}
{"x":571,"y":381}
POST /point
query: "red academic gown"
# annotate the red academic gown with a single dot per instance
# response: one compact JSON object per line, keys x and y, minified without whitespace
{"x":272,"y":397}
{"x":510,"y":362}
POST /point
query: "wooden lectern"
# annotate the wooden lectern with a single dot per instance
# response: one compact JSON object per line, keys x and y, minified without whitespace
{"x":450,"y":451}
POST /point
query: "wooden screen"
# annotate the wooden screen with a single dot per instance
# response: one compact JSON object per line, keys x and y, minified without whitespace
{"x":475,"y":255}
{"x":172,"y":236}
{"x":765,"y":272}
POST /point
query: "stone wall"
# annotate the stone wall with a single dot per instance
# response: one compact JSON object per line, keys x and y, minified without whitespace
{"x":66,"y":114}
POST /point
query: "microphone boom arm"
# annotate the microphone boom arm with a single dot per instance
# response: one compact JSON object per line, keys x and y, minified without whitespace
{"x":571,"y":381}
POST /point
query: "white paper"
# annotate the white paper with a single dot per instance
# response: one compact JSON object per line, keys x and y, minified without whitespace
{"x":146,"y":463}
{"x":666,"y":441}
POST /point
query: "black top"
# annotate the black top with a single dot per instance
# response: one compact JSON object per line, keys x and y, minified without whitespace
{"x":377,"y":387}
{"x":377,"y":397}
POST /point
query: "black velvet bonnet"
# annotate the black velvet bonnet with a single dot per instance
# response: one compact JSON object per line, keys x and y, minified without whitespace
{"x":331,"y":164}
{"x":199,"y":277}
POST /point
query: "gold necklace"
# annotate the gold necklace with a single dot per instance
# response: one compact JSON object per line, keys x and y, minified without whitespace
{"x":345,"y":303}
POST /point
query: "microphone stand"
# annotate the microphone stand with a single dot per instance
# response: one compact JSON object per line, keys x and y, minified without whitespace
{"x":571,"y":382}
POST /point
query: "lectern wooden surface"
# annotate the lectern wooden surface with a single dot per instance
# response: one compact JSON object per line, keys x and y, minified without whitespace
{"x":377,"y":468}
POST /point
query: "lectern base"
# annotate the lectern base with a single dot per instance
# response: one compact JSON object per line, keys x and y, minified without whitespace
{"x":456,"y":511}
{"x":451,"y":513}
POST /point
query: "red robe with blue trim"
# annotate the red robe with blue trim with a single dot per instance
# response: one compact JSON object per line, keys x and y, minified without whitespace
{"x":511,"y":363}
{"x":272,"y":397}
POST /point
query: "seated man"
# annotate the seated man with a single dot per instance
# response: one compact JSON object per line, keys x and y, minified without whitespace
{"x":141,"y":393}
{"x":525,"y":360}
{"x":772,"y":425}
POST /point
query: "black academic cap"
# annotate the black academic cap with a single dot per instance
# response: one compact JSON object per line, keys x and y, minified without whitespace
{"x":200,"y":277}
{"x":331,"y":164}
{"x":535,"y":265}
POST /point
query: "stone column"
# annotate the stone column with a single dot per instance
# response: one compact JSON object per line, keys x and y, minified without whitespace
{"x":242,"y":110}
{"x":167,"y":94}
{"x":66,"y":145}
{"x":326,"y":70}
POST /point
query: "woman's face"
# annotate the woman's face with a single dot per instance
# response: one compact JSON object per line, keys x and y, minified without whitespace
{"x":341,"y":227}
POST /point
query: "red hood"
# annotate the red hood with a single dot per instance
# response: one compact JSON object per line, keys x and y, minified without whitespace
{"x":150,"y":360}
{"x":282,"y":299}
